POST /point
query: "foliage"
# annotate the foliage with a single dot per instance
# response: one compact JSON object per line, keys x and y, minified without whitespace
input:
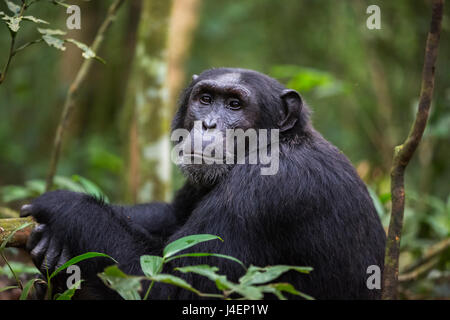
{"x":36,"y":187}
{"x":49,"y":36}
{"x":322,"y":83}
{"x":324,"y":36}
{"x":426,"y":222}
{"x":252,"y":285}
{"x":15,"y":268}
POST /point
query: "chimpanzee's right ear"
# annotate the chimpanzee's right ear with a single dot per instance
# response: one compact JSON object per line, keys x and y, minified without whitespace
{"x":291,"y":109}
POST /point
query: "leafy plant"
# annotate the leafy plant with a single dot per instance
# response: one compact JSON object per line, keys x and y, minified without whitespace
{"x":18,"y":268}
{"x":51,"y":37}
{"x":2,"y":254}
{"x":252,"y":285}
{"x":70,"y":291}
{"x":14,"y":268}
{"x":36,"y":187}
{"x":322,"y":84}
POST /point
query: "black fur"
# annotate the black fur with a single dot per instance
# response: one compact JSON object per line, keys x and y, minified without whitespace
{"x":315,"y":212}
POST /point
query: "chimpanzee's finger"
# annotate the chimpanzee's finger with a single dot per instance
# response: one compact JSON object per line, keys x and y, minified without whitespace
{"x":26,"y":210}
{"x":35,"y":236}
{"x":64,"y":257}
{"x":38,"y":252}
{"x":52,"y":255}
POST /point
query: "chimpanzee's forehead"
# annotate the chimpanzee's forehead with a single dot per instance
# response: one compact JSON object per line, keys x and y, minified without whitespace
{"x":227,"y":78}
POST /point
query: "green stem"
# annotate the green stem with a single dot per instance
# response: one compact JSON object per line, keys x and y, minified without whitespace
{"x":148,"y":290}
{"x":11,"y":269}
{"x":26,"y":45}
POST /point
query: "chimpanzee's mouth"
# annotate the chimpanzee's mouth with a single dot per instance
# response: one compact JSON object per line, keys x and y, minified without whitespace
{"x":191,"y":156}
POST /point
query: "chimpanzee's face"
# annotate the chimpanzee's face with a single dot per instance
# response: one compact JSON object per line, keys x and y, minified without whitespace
{"x":215,"y":105}
{"x":225,"y":100}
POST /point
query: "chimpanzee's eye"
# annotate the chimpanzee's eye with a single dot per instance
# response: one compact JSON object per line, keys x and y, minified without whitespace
{"x":235,"y":104}
{"x":205,"y":99}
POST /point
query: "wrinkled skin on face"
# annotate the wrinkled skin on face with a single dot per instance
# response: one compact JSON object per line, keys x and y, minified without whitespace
{"x":223,"y":101}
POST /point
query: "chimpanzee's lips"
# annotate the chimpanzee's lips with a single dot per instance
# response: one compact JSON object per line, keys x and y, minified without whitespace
{"x":198,"y":156}
{"x":193,"y":155}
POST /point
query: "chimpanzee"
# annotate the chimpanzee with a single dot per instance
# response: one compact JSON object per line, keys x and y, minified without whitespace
{"x":313,"y":211}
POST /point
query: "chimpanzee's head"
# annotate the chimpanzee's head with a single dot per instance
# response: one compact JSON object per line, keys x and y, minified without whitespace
{"x":229,"y":98}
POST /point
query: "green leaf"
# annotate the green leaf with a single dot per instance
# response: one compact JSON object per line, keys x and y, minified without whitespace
{"x":8,"y":288}
{"x":18,"y":268}
{"x":68,"y":294}
{"x":79,"y":258}
{"x":54,"y":42}
{"x":187,"y":242}
{"x":52,"y":32}
{"x":90,"y":188}
{"x":204,"y":254}
{"x":127,"y":287}
{"x":61,"y":3}
{"x":36,"y":186}
{"x":13,"y":23}
{"x":209,"y":272}
{"x":88,"y":53}
{"x":27,"y":288}
{"x":176,"y":281}
{"x":151,"y":265}
{"x":34,"y":19}
{"x":258,"y":275}
{"x":385,"y":197}
{"x":277,"y":288}
{"x":376,"y":202}
{"x":223,"y":284}
{"x":14,"y":193}
{"x":14,"y":8}
{"x":68,"y":184}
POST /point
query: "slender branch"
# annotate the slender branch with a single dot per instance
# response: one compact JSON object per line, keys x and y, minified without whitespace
{"x":404,"y":153}
{"x":26,"y":45}
{"x":10,"y":56}
{"x":425,"y":263}
{"x":12,"y":51}
{"x":69,"y":103}
{"x":421,"y":270}
{"x":433,"y":251}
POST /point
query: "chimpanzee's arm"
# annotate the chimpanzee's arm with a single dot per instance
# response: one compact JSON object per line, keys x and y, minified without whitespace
{"x":75,"y":223}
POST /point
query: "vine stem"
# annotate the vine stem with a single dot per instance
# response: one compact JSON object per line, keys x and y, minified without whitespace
{"x":10,"y":56}
{"x":69,"y":103}
{"x":404,"y":153}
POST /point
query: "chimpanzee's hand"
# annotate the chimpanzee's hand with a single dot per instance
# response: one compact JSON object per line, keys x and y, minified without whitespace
{"x":84,"y":224}
{"x":46,"y":243}
{"x":46,"y":251}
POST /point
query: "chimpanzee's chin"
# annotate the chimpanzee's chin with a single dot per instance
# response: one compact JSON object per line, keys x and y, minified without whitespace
{"x":205,"y":174}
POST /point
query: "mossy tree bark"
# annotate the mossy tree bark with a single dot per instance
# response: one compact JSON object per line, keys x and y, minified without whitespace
{"x":7,"y":226}
{"x":147,"y":107}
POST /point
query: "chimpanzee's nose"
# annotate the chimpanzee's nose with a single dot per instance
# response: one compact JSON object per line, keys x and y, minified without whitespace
{"x":209,"y":123}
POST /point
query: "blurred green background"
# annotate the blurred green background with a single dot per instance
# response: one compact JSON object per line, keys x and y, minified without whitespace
{"x":362,"y":85}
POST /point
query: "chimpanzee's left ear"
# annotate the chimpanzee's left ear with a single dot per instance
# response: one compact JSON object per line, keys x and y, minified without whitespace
{"x":290,"y":112}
